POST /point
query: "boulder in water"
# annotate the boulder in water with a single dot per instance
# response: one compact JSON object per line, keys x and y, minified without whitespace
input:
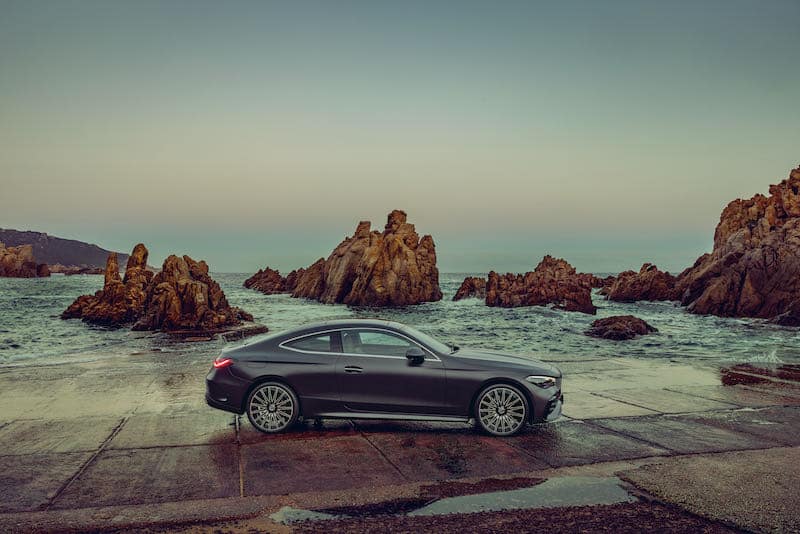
{"x":620,"y":327}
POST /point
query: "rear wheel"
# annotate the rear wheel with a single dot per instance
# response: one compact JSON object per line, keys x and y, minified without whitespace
{"x":501,"y":410}
{"x":272,"y":407}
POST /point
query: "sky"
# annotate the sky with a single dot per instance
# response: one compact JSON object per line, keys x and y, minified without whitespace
{"x":259,"y":133}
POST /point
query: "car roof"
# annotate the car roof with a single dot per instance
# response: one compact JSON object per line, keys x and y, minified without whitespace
{"x":348,"y":323}
{"x":310,"y":328}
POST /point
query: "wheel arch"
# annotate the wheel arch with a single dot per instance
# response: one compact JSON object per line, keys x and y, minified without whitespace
{"x":271,"y":378}
{"x":508,"y":382}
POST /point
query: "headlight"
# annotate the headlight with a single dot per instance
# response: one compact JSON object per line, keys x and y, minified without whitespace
{"x":543,"y":382}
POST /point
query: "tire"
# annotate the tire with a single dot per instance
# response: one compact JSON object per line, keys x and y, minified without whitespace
{"x":501,"y":410}
{"x":272,"y":407}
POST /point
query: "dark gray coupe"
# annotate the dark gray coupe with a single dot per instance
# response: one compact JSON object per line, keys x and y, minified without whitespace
{"x":370,"y":369}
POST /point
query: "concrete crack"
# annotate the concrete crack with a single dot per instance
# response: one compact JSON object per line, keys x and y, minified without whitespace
{"x":85,"y":465}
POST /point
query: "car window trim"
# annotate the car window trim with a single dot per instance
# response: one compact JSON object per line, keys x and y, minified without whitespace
{"x":283,"y":344}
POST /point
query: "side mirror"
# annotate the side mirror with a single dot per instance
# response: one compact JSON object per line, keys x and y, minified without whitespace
{"x":415,"y":355}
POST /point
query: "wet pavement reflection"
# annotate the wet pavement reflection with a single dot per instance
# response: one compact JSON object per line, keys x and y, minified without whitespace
{"x":552,"y":493}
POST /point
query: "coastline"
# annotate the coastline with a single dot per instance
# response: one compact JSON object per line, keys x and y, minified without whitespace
{"x":31,"y":307}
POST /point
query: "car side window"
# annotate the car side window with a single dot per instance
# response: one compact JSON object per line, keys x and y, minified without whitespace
{"x":312,"y":343}
{"x":375,"y":342}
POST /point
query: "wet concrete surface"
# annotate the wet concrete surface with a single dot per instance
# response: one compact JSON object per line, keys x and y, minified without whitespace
{"x":31,"y":481}
{"x":287,"y":466}
{"x":742,"y":396}
{"x":666,"y":401}
{"x":755,"y":490}
{"x":438,"y":456}
{"x":55,"y":435}
{"x":683,"y":435}
{"x":577,"y":443}
{"x":780,"y":425}
{"x":135,"y":431}
{"x":164,"y":474}
{"x":588,"y":405}
{"x":205,"y":427}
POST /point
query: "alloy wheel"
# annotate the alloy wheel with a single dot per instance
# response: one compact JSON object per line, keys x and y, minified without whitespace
{"x":272,"y":407}
{"x":502,"y":410}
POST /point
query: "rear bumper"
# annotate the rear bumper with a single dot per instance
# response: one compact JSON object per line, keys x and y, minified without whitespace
{"x":224,"y":391}
{"x":220,"y":405}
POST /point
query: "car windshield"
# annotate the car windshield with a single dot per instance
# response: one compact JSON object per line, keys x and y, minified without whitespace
{"x":430,"y":342}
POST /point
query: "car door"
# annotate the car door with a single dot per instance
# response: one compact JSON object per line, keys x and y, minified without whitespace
{"x":374,"y":374}
{"x":311,"y":370}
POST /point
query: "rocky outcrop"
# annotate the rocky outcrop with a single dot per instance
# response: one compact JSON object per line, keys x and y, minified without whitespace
{"x":181,"y":297}
{"x":471,"y":287}
{"x":268,"y":281}
{"x":184,"y":297}
{"x":554,"y":281}
{"x":754,"y":267}
{"x":18,"y":262}
{"x":70,"y":270}
{"x":790,"y":317}
{"x":390,"y":268}
{"x":648,"y":284}
{"x":120,"y":301}
{"x":603,"y":283}
{"x":619,"y":327}
{"x":290,"y":282}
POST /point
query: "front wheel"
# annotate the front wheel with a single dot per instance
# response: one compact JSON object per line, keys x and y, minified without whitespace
{"x":272,"y":407}
{"x":501,"y":410}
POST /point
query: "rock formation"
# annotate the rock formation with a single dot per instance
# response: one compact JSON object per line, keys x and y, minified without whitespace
{"x":619,"y":327}
{"x":648,"y":284}
{"x":184,"y":297}
{"x":554,"y":281}
{"x":604,"y":283}
{"x":390,"y":268}
{"x":290,"y":282}
{"x":181,"y":297}
{"x":754,"y":267}
{"x":70,"y":270}
{"x":790,"y":317}
{"x":471,"y":287}
{"x":268,"y":281}
{"x":18,"y":262}
{"x":121,"y":300}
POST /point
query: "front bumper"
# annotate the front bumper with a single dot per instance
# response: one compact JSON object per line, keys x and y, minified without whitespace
{"x":547,"y":404}
{"x":553,"y":410}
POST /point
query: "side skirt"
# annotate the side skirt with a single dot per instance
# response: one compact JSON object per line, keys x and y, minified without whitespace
{"x":391,"y":416}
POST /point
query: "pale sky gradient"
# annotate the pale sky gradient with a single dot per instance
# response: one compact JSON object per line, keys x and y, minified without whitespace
{"x":253,"y":133}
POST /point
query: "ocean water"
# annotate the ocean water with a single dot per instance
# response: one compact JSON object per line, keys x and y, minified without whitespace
{"x":30,"y":327}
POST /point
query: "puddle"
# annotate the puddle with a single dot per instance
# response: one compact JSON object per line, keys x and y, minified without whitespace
{"x":288,"y":515}
{"x":552,"y":493}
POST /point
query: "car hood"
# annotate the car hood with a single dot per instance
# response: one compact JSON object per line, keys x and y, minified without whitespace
{"x":506,"y":360}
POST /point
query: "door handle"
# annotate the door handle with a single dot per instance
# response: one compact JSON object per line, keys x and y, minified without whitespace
{"x":352,"y":369}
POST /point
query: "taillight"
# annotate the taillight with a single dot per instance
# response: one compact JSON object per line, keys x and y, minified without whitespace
{"x":221,"y":363}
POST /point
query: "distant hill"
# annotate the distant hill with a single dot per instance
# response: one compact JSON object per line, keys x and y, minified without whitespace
{"x":51,"y":250}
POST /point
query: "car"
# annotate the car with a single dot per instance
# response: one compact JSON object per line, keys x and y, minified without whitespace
{"x":374,"y":369}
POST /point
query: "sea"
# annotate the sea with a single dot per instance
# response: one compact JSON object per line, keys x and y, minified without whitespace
{"x":31,"y":330}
